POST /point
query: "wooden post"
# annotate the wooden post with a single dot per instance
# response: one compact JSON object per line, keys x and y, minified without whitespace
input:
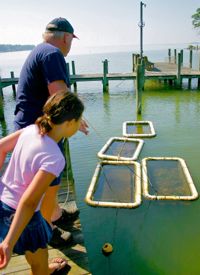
{"x":4,"y":130}
{"x":199,"y":60}
{"x":179,"y":79}
{"x":105,"y":79}
{"x":1,"y":88}
{"x":68,"y":69}
{"x":181,"y":57}
{"x":133,"y":62}
{"x":68,"y":167}
{"x":2,"y":117}
{"x":137,"y":59}
{"x":74,"y":72}
{"x":13,"y":85}
{"x":190,"y":62}
{"x":190,"y":66}
{"x":143,"y":72}
{"x":139,"y":87}
{"x":169,"y":55}
{"x":198,"y":84}
{"x":189,"y":83}
{"x":170,"y":82}
{"x":175,"y":56}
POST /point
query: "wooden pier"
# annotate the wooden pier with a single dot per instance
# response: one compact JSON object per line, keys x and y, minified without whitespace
{"x":166,"y":71}
{"x":171,"y":72}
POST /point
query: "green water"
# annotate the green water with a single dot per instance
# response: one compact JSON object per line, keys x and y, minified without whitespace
{"x":121,"y":149}
{"x":166,"y":177}
{"x":158,"y":237}
{"x":115,"y":184}
{"x":138,"y":129}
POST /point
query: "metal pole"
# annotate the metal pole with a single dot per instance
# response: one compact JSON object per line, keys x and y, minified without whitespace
{"x":141,"y":25}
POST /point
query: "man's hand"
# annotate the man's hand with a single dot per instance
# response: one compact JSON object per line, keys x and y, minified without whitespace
{"x":84,"y":127}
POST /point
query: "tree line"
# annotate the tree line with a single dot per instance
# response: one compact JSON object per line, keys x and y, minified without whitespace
{"x":13,"y":48}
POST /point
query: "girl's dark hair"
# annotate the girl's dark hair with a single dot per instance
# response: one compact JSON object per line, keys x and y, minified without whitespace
{"x":60,"y":107}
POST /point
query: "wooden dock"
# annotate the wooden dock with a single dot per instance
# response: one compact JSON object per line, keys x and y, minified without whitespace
{"x":172,"y":72}
{"x":165,"y":72}
{"x":162,"y":71}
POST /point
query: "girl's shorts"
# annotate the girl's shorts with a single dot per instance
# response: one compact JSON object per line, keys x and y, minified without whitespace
{"x":37,"y":234}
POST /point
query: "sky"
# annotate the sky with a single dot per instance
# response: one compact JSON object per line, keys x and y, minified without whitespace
{"x":100,"y":23}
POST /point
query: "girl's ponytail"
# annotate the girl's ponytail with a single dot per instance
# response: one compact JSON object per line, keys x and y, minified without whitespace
{"x":44,"y":124}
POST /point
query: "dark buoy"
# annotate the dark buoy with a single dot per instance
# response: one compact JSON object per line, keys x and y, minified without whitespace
{"x":107,"y":249}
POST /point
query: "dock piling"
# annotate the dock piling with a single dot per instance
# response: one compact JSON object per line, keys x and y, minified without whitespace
{"x":68,"y":68}
{"x":179,"y":79}
{"x":169,"y":55}
{"x":198,"y":84}
{"x":13,"y":85}
{"x":190,"y":61}
{"x":2,"y":117}
{"x":74,"y":73}
{"x":68,"y":168}
{"x":175,"y":56}
{"x":105,"y":79}
{"x":133,"y":62}
{"x":140,"y":70}
{"x":190,"y":66}
{"x":1,"y":88}
{"x":181,"y":57}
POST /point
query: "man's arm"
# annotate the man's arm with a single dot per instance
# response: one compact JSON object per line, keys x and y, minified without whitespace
{"x":57,"y":86}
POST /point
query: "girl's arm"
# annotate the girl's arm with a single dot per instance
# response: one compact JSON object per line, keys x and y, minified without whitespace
{"x":7,"y":144}
{"x":24,"y":212}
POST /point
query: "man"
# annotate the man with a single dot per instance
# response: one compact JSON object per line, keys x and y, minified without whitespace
{"x":44,"y":73}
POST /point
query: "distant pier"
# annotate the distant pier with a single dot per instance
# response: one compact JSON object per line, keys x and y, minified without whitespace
{"x":171,"y":72}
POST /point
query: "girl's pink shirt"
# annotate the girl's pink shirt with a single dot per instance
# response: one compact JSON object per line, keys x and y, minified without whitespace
{"x":32,"y":152}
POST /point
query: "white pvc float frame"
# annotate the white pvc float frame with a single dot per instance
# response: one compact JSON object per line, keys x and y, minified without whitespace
{"x":171,"y":197}
{"x":101,"y":154}
{"x":137,"y":190}
{"x":144,"y":122}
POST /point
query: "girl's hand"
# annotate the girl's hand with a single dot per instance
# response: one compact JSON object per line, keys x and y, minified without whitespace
{"x":5,"y":254}
{"x":84,"y":127}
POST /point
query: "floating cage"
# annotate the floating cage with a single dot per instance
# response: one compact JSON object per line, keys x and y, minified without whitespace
{"x":166,"y":178}
{"x":115,"y":184}
{"x":138,"y":129}
{"x":119,"y":148}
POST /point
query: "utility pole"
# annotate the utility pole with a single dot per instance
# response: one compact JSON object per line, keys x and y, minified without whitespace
{"x":140,"y":69}
{"x":141,"y":25}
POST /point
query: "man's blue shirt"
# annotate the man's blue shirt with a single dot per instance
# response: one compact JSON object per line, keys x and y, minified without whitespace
{"x":44,"y":65}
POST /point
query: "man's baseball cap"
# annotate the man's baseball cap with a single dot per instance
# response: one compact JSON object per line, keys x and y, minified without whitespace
{"x":60,"y":24}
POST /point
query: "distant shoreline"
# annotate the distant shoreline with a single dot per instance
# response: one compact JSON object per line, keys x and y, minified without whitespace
{"x":15,"y":48}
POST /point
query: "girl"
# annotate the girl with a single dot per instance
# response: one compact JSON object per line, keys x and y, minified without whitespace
{"x":36,"y":161}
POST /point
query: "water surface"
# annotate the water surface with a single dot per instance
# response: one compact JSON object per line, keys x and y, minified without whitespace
{"x":158,"y":237}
